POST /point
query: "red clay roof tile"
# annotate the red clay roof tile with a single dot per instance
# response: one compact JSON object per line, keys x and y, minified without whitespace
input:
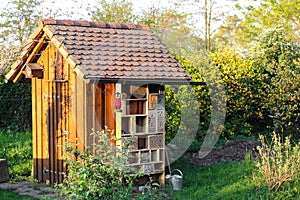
{"x":114,"y":50}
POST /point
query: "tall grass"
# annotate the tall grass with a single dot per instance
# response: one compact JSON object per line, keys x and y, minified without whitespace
{"x":16,"y":148}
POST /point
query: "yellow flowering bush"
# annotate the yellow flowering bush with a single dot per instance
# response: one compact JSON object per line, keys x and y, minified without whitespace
{"x":262,"y":88}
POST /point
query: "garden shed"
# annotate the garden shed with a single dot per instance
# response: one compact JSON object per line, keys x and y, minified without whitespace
{"x":87,"y":75}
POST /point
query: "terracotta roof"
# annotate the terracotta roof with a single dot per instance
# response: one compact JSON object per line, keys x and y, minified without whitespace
{"x":100,"y":50}
{"x":114,"y":50}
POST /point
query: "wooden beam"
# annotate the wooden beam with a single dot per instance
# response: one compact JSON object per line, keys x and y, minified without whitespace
{"x":30,"y":57}
{"x":37,"y":34}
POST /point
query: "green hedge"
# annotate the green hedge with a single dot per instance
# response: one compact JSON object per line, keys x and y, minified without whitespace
{"x":15,"y":106}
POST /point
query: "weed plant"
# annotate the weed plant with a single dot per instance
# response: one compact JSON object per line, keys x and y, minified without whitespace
{"x":279,"y":164}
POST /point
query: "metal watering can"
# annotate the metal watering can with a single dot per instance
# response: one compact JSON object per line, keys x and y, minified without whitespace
{"x":175,"y":179}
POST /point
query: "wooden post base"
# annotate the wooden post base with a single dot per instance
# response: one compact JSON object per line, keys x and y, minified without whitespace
{"x":4,"y":175}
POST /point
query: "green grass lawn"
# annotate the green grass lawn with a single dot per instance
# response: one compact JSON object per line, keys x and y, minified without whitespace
{"x":227,"y":180}
{"x":16,"y":148}
{"x":8,"y":195}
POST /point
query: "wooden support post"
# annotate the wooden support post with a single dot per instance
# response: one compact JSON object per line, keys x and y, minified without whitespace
{"x":4,"y":175}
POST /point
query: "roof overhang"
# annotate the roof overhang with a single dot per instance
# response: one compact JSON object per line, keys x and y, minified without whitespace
{"x":33,"y":45}
{"x":143,"y":81}
{"x":44,"y":34}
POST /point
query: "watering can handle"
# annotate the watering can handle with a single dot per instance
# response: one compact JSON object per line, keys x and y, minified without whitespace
{"x":177,"y":171}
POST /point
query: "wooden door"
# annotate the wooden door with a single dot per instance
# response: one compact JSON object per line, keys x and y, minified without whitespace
{"x":57,"y":132}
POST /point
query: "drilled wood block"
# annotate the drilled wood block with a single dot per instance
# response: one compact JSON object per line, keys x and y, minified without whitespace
{"x":152,"y":125}
{"x":133,"y":158}
{"x":145,"y":157}
{"x":158,"y":166}
{"x":131,"y":142}
{"x":4,"y":175}
{"x":156,"y":141}
{"x":148,"y":168}
{"x":160,"y":124}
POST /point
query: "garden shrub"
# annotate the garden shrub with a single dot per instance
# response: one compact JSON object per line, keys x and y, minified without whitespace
{"x":244,"y":90}
{"x":279,"y":162}
{"x":278,"y":58}
{"x":262,"y":88}
{"x":103,"y":174}
{"x":15,"y":103}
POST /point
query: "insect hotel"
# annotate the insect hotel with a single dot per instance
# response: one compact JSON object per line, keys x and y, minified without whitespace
{"x":87,"y":75}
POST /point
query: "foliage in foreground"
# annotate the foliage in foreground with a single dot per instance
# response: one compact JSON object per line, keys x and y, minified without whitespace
{"x":103,"y":174}
{"x":279,"y":164}
{"x":16,"y":148}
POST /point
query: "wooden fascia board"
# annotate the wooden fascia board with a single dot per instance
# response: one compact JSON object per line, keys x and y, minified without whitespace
{"x":61,"y":47}
{"x":23,"y":56}
{"x":79,"y":72}
{"x":30,"y":57}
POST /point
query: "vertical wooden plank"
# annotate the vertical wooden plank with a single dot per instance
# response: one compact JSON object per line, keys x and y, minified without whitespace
{"x":89,"y":115}
{"x":67,"y":100}
{"x":110,"y":121}
{"x":51,"y":113}
{"x":39,"y":129}
{"x":58,"y":76}
{"x":62,"y":120}
{"x":109,"y":105}
{"x":99,"y":114}
{"x":44,"y":61}
{"x":94,"y":116}
{"x":63,"y":130}
{"x":34,"y":129}
{"x":80,"y":112}
{"x":72,"y":108}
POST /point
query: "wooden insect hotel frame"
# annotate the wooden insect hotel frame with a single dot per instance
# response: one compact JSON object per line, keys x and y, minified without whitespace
{"x":87,"y":75}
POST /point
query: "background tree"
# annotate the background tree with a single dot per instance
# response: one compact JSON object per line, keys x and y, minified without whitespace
{"x":209,"y":13}
{"x":269,"y":14}
{"x":166,"y":19}
{"x":227,"y":35}
{"x":114,"y":11}
{"x":19,"y":18}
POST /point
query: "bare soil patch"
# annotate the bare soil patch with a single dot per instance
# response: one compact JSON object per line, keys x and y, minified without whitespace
{"x":233,"y":151}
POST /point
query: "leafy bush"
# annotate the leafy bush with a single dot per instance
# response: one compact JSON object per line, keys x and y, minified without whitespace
{"x":279,"y":163}
{"x":244,"y":90}
{"x":102,"y":175}
{"x":278,"y":59}
{"x":262,"y":88}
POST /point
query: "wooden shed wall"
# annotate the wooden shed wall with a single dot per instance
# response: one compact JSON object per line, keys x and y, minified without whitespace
{"x":65,"y":108}
{"x":50,"y":105}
